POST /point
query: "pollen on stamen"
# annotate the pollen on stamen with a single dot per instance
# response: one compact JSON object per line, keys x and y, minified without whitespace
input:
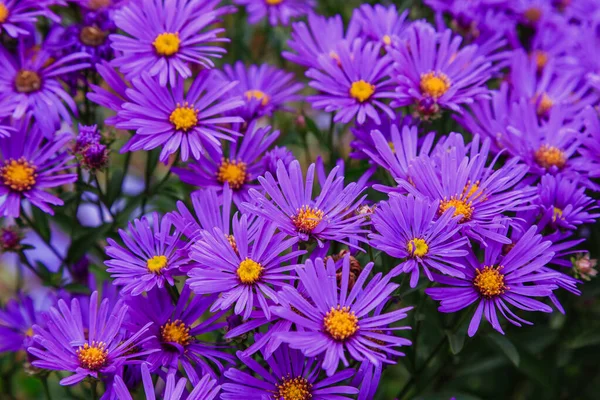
{"x":549,"y":156}
{"x":156,"y":264}
{"x":417,"y":247}
{"x":92,"y":357}
{"x":166,"y":44}
{"x":489,"y":281}
{"x":175,"y":332}
{"x":434,"y":85}
{"x":362,"y":90}
{"x":340,"y":323}
{"x":3,"y":13}
{"x":307,"y":219}
{"x":258,"y":95}
{"x":249,"y":271}
{"x":273,"y":2}
{"x":27,"y":81}
{"x":184,"y":117}
{"x":233,"y":172}
{"x":557,"y":213}
{"x":462,"y":207}
{"x":544,"y":104}
{"x":294,"y":389}
{"x":19,"y":175}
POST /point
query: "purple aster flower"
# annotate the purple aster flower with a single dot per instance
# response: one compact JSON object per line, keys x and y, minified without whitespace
{"x":28,"y":169}
{"x":433,"y":72}
{"x":17,"y":318}
{"x":565,"y":203}
{"x":272,"y":157}
{"x":380,"y":24}
{"x":113,"y":97}
{"x":165,"y":36}
{"x":320,"y":37}
{"x":238,"y":170}
{"x":150,"y":257}
{"x":471,"y":187}
{"x":264,"y":88}
{"x":30,"y":83}
{"x":290,"y":205}
{"x":335,"y":320}
{"x":173,"y":334}
{"x":90,"y":36}
{"x":17,"y":15}
{"x":590,"y":149}
{"x":290,"y":375}
{"x":87,"y":135}
{"x":168,"y":118}
{"x":10,"y":239}
{"x":551,"y":88}
{"x":367,"y":378}
{"x":398,"y":152}
{"x":353,"y":85}
{"x":246,"y":273}
{"x":553,"y":43}
{"x":100,"y":5}
{"x":500,"y":281}
{"x":206,"y":389}
{"x":278,"y":11}
{"x":100,"y":349}
{"x":407,"y":228}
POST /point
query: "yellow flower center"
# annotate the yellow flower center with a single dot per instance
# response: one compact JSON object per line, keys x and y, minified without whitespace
{"x":184,"y":117}
{"x":92,"y":36}
{"x":545,"y":103}
{"x":232,"y":172}
{"x":533,"y":14}
{"x":167,"y":44}
{"x":98,"y":4}
{"x":463,"y":203}
{"x":417,"y":247}
{"x":156,"y":264}
{"x":273,"y":2}
{"x":362,"y":90}
{"x":294,"y":389}
{"x":307,"y":219}
{"x":249,"y":271}
{"x":258,"y":95}
{"x":19,"y":175}
{"x":557,"y":213}
{"x":92,"y":357}
{"x":387,"y":40}
{"x":340,"y":323}
{"x":489,"y":281}
{"x":550,"y":156}
{"x":434,"y":84}
{"x":27,"y":81}
{"x":175,"y":332}
{"x":3,"y":13}
{"x":541,"y":59}
{"x":29,"y":332}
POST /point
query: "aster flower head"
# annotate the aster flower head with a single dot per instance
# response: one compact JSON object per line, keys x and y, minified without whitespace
{"x":381,"y":24}
{"x":17,"y":318}
{"x":31,"y":84}
{"x":590,"y":149}
{"x":173,"y":336}
{"x":291,"y":206}
{"x":163,"y":37}
{"x":433,"y":72}
{"x":238,"y":169}
{"x":500,"y":281}
{"x":189,"y":122}
{"x":355,"y":84}
{"x":321,"y":36}
{"x":277,"y":11}
{"x":102,"y":348}
{"x":149,"y":258}
{"x":408,"y":228}
{"x":16,"y":15}
{"x":272,"y":157}
{"x":100,"y":5}
{"x":206,"y":389}
{"x":112,"y":97}
{"x":289,"y":376}
{"x":10,"y":239}
{"x":264,"y":88}
{"x":334,"y":319}
{"x":564,"y":202}
{"x":87,"y":135}
{"x":29,"y":168}
{"x":471,"y":187}
{"x":244,"y":267}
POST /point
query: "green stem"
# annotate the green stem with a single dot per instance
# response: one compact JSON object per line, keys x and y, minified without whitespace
{"x":46,"y":388}
{"x":93,"y":388}
{"x":174,"y":293}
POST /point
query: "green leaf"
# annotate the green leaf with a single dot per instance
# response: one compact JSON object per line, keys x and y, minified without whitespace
{"x":77,"y":288}
{"x":589,"y":337}
{"x":41,"y":223}
{"x":82,"y":244}
{"x":504,"y":344}
{"x":456,"y":341}
{"x":312,"y":126}
{"x":113,"y":190}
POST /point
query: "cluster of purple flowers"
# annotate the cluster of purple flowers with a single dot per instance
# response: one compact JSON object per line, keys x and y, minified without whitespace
{"x":266,"y":281}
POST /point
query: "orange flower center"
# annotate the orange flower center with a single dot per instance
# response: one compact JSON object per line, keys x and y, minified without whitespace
{"x":92,"y":357}
{"x":307,"y":219}
{"x":27,"y":81}
{"x":362,"y":90}
{"x":175,"y":332}
{"x":489,"y":281}
{"x":294,"y":389}
{"x":184,"y":117}
{"x":550,"y":156}
{"x":434,"y":84}
{"x":463,"y":203}
{"x":3,"y":13}
{"x":340,"y":323}
{"x":19,"y":175}
{"x":233,"y":172}
{"x":258,"y":95}
{"x":166,"y":44}
{"x":249,"y":271}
